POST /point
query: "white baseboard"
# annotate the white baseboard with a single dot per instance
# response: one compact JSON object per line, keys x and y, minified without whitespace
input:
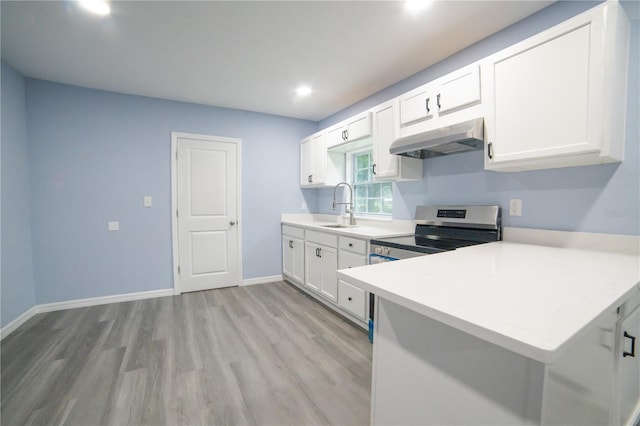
{"x":102,"y":300}
{"x":21,"y":319}
{"x":261,"y":280}
{"x":80,"y":303}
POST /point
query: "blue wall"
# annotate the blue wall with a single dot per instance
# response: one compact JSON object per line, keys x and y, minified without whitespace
{"x":95,"y":154}
{"x":604,"y":198}
{"x":17,"y":287}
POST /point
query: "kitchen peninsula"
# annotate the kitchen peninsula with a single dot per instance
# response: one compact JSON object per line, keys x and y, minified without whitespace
{"x":504,"y":333}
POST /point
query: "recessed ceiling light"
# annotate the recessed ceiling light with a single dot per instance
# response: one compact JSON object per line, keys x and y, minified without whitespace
{"x":99,"y":7}
{"x":415,"y":6}
{"x":304,"y":90}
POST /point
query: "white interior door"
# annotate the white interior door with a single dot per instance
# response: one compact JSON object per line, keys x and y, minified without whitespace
{"x":206,"y":197}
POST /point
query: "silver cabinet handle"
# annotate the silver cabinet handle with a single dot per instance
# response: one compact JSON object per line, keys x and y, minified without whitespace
{"x":233,"y":222}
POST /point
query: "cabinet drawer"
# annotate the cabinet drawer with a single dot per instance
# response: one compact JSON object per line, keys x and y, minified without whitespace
{"x":352,"y":299}
{"x":354,"y":245}
{"x":322,"y":238}
{"x":292,"y":231}
{"x":348,"y":259}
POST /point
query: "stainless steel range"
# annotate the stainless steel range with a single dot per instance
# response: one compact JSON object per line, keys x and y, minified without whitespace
{"x":440,"y":229}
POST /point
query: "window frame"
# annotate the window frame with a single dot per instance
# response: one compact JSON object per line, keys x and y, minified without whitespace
{"x":351,"y":176}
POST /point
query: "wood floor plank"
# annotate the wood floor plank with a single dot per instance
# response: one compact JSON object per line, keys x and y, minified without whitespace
{"x":31,"y":393}
{"x":265,"y":355}
{"x":94,"y":387}
{"x":125,"y":407}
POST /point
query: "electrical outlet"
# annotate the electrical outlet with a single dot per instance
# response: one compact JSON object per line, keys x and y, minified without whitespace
{"x":113,"y":226}
{"x":515,"y":207}
{"x":147,"y":201}
{"x":304,"y":205}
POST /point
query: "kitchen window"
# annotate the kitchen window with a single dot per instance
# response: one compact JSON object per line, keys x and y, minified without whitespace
{"x":371,"y":198}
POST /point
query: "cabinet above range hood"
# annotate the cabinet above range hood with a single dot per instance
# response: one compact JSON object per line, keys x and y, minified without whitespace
{"x":453,"y":139}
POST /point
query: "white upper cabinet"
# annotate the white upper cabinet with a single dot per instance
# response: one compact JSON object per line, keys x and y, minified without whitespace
{"x":387,"y":166}
{"x":318,"y":167}
{"x":458,"y":89}
{"x":335,"y":135}
{"x":417,"y":105}
{"x":451,"y":99}
{"x":558,"y":99}
{"x":355,"y":128}
{"x":312,"y":160}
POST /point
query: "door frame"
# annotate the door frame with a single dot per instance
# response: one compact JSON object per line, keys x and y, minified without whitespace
{"x":174,"y":199}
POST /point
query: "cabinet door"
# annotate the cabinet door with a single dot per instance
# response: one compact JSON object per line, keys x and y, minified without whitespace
{"x":298,"y":260}
{"x":387,"y":166}
{"x":319,"y":158}
{"x":293,"y":258}
{"x":417,"y":105}
{"x":313,"y":267}
{"x":306,"y":161}
{"x":359,"y":127}
{"x":329,"y":282}
{"x":459,"y":89}
{"x":558,"y":99}
{"x":335,"y":136}
{"x":287,"y":256}
{"x":629,"y":367}
{"x":540,"y":99}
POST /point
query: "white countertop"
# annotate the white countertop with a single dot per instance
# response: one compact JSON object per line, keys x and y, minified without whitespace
{"x":532,"y":300}
{"x":364,"y":228}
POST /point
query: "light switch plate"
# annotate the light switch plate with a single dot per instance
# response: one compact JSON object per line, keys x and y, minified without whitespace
{"x":113,"y":226}
{"x":515,"y":207}
{"x":147,"y":201}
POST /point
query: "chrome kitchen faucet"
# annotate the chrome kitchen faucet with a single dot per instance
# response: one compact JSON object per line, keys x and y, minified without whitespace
{"x":352,"y":219}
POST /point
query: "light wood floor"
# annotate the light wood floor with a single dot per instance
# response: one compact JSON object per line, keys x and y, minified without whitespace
{"x":264,"y":354}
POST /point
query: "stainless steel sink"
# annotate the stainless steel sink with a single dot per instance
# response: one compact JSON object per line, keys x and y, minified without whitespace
{"x":335,"y":226}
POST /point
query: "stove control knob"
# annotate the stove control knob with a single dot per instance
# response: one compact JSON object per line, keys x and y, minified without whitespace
{"x":378,"y":250}
{"x":385,"y":251}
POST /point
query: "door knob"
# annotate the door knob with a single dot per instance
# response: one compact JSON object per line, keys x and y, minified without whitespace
{"x":233,"y":222}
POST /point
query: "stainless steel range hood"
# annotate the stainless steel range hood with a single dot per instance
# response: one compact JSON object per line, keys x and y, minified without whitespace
{"x":460,"y":137}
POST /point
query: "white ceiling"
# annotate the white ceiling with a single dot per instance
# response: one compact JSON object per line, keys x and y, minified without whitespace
{"x":249,"y":55}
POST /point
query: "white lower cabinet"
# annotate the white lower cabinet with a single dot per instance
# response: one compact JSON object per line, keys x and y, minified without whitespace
{"x":293,"y":253}
{"x":353,"y":299}
{"x":321,"y":263}
{"x":353,"y":253}
{"x":628,"y":365}
{"x":311,"y":258}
